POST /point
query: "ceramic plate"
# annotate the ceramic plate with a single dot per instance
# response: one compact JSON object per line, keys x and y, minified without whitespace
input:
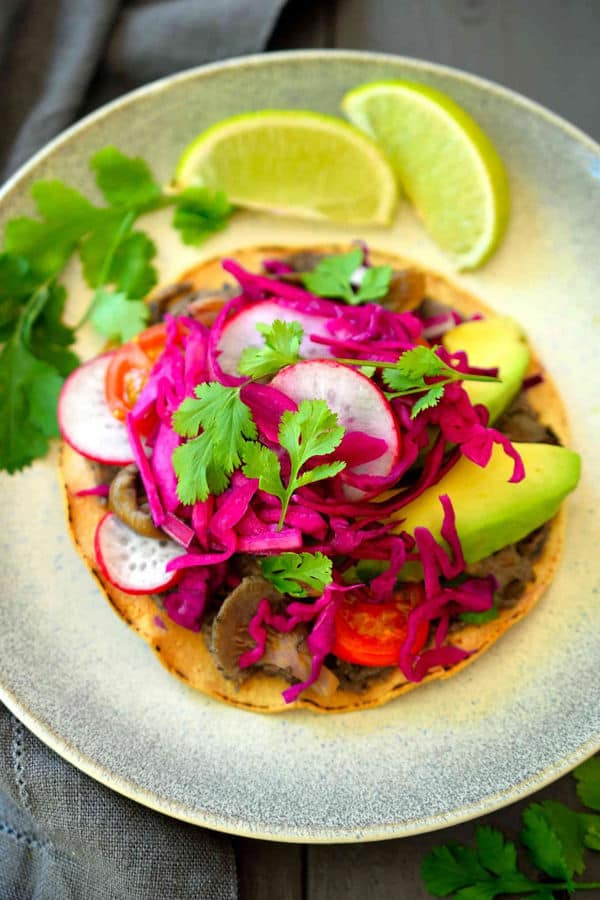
{"x":524,"y":714}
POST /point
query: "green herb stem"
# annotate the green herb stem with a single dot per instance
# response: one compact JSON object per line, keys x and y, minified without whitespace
{"x":381,"y":364}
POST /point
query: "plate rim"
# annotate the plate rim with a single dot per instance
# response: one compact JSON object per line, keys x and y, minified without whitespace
{"x":61,"y":745}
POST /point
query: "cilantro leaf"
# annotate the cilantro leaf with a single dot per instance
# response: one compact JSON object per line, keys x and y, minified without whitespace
{"x":28,"y":414}
{"x":227,"y":428}
{"x":281,"y":348}
{"x":587,"y":776}
{"x":262,"y":463}
{"x":16,"y":284}
{"x":124,"y":180}
{"x":421,"y":362}
{"x":428,"y":400}
{"x":331,"y":277}
{"x":49,"y":338}
{"x":310,"y":431}
{"x":293,"y":573}
{"x":217,"y":409}
{"x":374,"y":285}
{"x":495,"y":853}
{"x":591,"y":824}
{"x":198,"y":471}
{"x":569,"y":828}
{"x":450,"y":867}
{"x":199,"y":212}
{"x":545,"y":847}
{"x":397,"y":380}
{"x":97,"y":247}
{"x":29,"y":389}
{"x":131,"y":270}
{"x":48,"y":243}
{"x":480,"y":874}
{"x":116,"y":317}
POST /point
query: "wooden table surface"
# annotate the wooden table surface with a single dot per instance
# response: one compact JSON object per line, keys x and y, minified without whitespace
{"x":548,"y":51}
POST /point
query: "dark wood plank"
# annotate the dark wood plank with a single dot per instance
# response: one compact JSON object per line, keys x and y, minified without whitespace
{"x":269,"y":871}
{"x":383,"y":870}
{"x":545,"y":49}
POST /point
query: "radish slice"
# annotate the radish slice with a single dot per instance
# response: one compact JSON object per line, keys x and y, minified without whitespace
{"x":240,"y":332}
{"x":86,"y":423}
{"x":132,"y":562}
{"x":358,"y":403}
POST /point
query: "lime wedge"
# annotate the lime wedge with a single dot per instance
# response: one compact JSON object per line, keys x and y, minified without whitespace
{"x":448,"y":167}
{"x":297,"y":163}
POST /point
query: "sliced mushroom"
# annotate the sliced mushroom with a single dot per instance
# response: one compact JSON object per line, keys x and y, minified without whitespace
{"x":285,"y":653}
{"x":127,"y":501}
{"x":205,"y":306}
{"x":406,"y":290}
{"x":230,"y":637}
{"x":182,"y":298}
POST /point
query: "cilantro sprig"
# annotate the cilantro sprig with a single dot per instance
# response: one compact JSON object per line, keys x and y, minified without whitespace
{"x":204,"y":464}
{"x":117,"y":263}
{"x":309,"y":432}
{"x":408,"y":375}
{"x":298,"y":573}
{"x":332,"y":277}
{"x":222,"y":438}
{"x":555,"y":837}
{"x":30,"y":380}
{"x":281,"y":348}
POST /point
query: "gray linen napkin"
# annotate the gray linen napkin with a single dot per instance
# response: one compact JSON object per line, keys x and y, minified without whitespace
{"x":61,"y":58}
{"x":62,"y":835}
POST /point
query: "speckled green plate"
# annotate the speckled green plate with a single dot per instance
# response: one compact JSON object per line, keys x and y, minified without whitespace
{"x":521,"y":716}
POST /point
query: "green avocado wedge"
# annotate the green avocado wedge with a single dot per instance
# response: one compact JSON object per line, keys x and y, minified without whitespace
{"x":492,"y":512}
{"x":494,"y":341}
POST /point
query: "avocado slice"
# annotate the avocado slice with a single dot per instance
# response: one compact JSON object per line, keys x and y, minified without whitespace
{"x":490,"y":511}
{"x":495,"y":341}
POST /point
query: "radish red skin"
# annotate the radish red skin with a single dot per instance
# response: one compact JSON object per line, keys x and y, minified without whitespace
{"x":86,"y":423}
{"x":168,"y":581}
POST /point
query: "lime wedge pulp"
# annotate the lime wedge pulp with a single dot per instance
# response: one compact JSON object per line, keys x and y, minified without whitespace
{"x":448,"y":167}
{"x":293,"y":162}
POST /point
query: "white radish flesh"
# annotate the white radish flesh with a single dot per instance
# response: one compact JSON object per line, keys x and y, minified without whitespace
{"x":241,"y":332}
{"x":86,"y":423}
{"x":358,"y":403}
{"x":132,"y":562}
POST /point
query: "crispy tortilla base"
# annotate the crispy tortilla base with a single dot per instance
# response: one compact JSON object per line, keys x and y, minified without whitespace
{"x":186,"y":654}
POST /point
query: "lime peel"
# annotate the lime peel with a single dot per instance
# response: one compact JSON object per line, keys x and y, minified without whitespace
{"x":293,"y":162}
{"x":447,"y":165}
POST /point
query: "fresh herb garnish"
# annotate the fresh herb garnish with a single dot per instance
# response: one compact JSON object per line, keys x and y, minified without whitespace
{"x":404,"y":377}
{"x":29,"y":387}
{"x":199,"y":213}
{"x":281,"y":348}
{"x":555,"y":836}
{"x":204,"y":464}
{"x":310,"y":431}
{"x":117,"y":262}
{"x":407,"y":376}
{"x":332,"y":278}
{"x":297,"y":573}
{"x":588,"y":782}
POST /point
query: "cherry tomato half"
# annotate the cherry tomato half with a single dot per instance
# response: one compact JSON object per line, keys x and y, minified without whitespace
{"x":371,"y":634}
{"x":130,"y":367}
